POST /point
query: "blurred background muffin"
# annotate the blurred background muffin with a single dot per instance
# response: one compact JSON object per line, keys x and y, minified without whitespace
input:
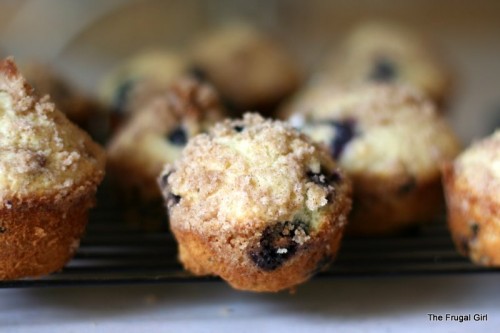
{"x":389,"y":53}
{"x":132,"y":83}
{"x":391,"y":142}
{"x":251,"y":70}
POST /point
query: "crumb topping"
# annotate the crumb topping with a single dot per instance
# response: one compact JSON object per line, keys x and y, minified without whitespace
{"x":478,"y":167}
{"x":157,"y":134}
{"x":246,"y":173}
{"x":396,"y":130}
{"x":40,"y":150}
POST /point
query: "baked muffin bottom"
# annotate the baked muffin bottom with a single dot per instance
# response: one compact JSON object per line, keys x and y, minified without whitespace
{"x":474,"y":222}
{"x":39,"y":237}
{"x":223,"y":255}
{"x":390,"y":210}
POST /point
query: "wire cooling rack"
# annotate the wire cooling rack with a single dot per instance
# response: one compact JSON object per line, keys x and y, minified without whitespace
{"x":135,"y":246}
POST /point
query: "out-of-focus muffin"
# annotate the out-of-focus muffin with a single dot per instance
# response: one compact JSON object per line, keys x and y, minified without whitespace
{"x":391,"y":142}
{"x":250,"y":70}
{"x":132,"y":84}
{"x":388,"y":53}
{"x":157,"y":134}
{"x":472,"y":186}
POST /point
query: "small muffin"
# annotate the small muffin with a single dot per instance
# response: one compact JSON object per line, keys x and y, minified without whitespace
{"x":472,"y":187}
{"x":381,"y":52}
{"x":49,"y":173}
{"x":73,"y":103}
{"x":256,"y":203}
{"x":250,"y":70}
{"x":133,"y":83}
{"x":391,"y":141}
{"x":157,"y":134}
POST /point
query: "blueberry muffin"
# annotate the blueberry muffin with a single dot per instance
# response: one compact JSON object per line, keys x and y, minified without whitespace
{"x":251,"y":71}
{"x":472,"y":187}
{"x":381,"y":52}
{"x":391,"y":141}
{"x":256,"y":203}
{"x":157,"y":134}
{"x":49,"y":173}
{"x":79,"y":108}
{"x":131,"y":85}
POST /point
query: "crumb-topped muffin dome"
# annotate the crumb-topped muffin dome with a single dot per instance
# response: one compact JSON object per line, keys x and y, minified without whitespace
{"x":49,"y":173}
{"x":42,"y":153}
{"x":472,"y":185}
{"x":157,"y":134}
{"x":257,"y":203}
{"x":389,"y":139}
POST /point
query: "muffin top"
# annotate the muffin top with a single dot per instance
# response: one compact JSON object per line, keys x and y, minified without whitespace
{"x":42,"y":154}
{"x":477,"y":169}
{"x":143,"y":75}
{"x":248,"y":67}
{"x":157,"y":134}
{"x":248,"y":173}
{"x":377,"y":130}
{"x":384,"y":52}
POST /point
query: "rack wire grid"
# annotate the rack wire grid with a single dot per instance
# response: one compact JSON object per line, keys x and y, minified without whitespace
{"x":122,"y":248}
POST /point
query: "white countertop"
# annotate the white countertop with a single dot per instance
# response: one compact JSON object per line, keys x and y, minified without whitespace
{"x":388,"y":304}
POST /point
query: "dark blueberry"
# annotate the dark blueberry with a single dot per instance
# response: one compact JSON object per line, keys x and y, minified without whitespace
{"x":198,"y":73}
{"x":335,"y":177}
{"x":317,"y":178}
{"x":178,"y":136}
{"x":2,"y":229}
{"x":408,"y":186}
{"x":267,"y":255}
{"x":324,"y":177}
{"x":474,"y":227}
{"x":384,"y":70}
{"x":344,"y":132}
{"x":464,"y":245}
{"x":238,"y":129}
{"x":121,"y":95}
{"x":173,"y":199}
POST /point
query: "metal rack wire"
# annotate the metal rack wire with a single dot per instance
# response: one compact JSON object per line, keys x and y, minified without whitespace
{"x":117,"y":251}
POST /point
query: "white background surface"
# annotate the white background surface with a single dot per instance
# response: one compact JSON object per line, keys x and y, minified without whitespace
{"x":389,"y":304}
